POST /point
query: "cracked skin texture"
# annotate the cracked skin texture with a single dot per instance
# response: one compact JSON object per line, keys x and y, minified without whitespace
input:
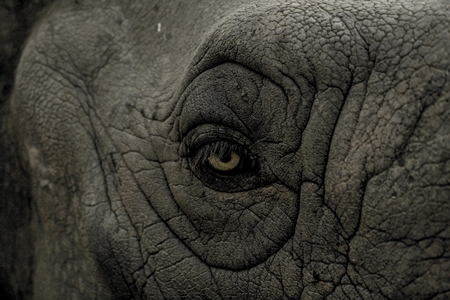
{"x":343,"y":105}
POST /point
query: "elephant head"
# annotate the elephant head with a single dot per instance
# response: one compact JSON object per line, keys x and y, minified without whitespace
{"x":263,"y":150}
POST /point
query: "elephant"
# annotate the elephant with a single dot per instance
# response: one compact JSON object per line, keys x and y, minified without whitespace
{"x":264,"y":149}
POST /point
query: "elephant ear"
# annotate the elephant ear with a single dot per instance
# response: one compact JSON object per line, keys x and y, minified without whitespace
{"x":16,"y":238}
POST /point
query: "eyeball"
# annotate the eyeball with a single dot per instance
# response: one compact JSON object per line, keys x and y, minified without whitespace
{"x":226,"y":162}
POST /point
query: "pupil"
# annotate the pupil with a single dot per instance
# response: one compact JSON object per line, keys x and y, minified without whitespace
{"x":226,"y":157}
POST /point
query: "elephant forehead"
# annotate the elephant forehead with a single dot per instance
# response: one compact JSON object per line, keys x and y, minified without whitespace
{"x":290,"y":39}
{"x":325,"y":43}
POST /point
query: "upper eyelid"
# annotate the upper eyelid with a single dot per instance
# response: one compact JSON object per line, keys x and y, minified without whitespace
{"x":209,"y":133}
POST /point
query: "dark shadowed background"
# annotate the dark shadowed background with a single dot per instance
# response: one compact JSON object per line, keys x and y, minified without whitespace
{"x":16,"y":18}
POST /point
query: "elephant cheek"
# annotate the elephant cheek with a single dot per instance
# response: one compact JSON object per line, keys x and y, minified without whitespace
{"x":233,"y":231}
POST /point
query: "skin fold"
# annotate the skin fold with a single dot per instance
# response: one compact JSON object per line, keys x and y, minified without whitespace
{"x":229,"y":150}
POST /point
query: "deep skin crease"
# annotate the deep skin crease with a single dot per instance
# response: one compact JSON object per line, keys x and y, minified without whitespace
{"x":339,"y":114}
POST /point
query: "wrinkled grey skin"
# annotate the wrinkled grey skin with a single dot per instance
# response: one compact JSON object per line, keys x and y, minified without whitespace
{"x":343,"y":106}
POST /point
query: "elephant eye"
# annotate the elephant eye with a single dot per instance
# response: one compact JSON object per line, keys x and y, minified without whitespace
{"x":224,"y":158}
